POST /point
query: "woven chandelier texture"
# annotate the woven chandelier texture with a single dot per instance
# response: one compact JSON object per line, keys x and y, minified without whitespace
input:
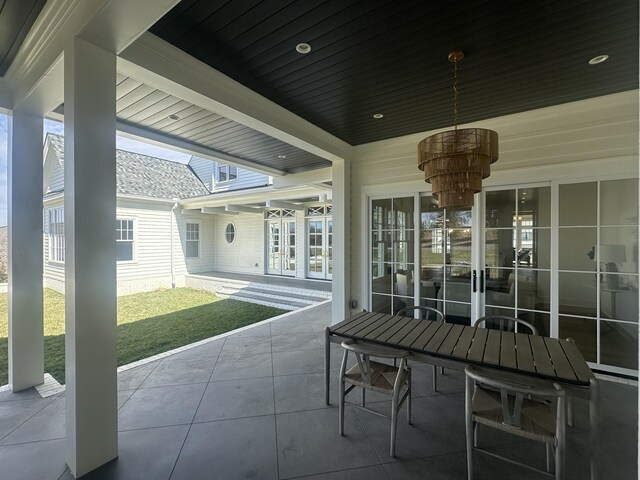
{"x":455,"y":162}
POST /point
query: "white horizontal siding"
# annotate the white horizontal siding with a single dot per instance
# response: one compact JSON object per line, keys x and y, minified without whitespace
{"x":204,"y":169}
{"x":246,"y":253}
{"x":246,"y":179}
{"x":568,"y":140}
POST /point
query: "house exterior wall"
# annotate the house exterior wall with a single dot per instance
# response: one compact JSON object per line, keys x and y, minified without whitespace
{"x":247,"y":252}
{"x":596,"y":137}
{"x":206,"y":171}
{"x":151,"y":265}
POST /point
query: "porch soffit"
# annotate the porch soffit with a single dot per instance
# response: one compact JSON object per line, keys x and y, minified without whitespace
{"x":145,"y":111}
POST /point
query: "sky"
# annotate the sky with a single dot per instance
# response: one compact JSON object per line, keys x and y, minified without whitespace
{"x":122,"y":143}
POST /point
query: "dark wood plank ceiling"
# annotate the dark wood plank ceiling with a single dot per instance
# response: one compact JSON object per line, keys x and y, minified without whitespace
{"x":16,"y":18}
{"x":389,"y":57}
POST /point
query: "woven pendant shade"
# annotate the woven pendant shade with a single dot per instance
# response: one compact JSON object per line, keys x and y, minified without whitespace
{"x":455,"y":162}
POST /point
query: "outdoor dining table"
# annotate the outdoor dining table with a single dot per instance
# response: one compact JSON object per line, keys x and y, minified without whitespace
{"x":456,"y":346}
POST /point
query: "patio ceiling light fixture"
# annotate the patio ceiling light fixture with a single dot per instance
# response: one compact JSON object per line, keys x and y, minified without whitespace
{"x":455,"y":161}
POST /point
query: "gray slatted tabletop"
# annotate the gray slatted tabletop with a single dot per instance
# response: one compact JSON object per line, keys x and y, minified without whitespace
{"x":544,"y":357}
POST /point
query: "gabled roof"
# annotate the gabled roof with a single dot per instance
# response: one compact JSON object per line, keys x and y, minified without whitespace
{"x":145,"y":176}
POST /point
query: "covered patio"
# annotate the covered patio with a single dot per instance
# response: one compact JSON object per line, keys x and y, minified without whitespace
{"x":251,"y":405}
{"x":332,"y":96}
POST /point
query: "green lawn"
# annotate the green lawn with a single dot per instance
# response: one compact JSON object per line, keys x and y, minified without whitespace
{"x":148,"y":323}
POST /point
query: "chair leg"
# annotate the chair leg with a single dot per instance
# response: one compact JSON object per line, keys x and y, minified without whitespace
{"x":469,"y":426}
{"x":476,"y":434}
{"x":548,"y":456}
{"x":409,"y":400}
{"x":570,"y":411}
{"x":363,"y":397}
{"x":341,"y":407}
{"x":435,"y":378}
{"x":394,"y":425}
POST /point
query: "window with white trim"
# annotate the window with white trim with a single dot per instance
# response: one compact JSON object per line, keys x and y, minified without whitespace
{"x":227,"y":172}
{"x":124,"y":240}
{"x":56,"y":234}
{"x":192,"y":246}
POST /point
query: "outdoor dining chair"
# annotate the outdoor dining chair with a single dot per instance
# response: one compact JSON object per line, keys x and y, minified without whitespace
{"x":426,"y":313}
{"x":504,"y":323}
{"x":518,"y":405}
{"x":377,"y":377}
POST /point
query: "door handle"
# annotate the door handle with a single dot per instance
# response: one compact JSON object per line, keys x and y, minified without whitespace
{"x":481,"y":281}
{"x":475,"y":278}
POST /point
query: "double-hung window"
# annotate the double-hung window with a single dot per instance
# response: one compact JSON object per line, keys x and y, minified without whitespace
{"x":192,"y":247}
{"x":227,"y":172}
{"x":124,"y":240}
{"x":56,"y":234}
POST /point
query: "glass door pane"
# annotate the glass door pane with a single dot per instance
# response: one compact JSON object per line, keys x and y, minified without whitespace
{"x":445,"y":260}
{"x":315,"y":234}
{"x":274,"y":262}
{"x":289,"y":247}
{"x":598,"y":271}
{"x":517,"y":252}
{"x":392,"y":254}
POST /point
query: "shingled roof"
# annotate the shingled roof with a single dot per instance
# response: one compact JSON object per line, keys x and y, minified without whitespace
{"x":145,"y":176}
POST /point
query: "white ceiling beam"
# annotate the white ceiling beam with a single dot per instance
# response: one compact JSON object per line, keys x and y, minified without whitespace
{"x":190,"y":211}
{"x":283,"y":204}
{"x":184,"y":146}
{"x":161,"y":65}
{"x":35,"y":78}
{"x":217,"y":211}
{"x":312,"y":177}
{"x":243,"y":209}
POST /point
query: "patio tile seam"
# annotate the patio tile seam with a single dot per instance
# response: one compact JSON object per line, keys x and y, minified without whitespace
{"x":165,"y":386}
{"x":227,"y":419}
{"x":52,"y":399}
{"x":275,"y":419}
{"x":333,"y":471}
{"x":183,"y":424}
{"x":30,"y":441}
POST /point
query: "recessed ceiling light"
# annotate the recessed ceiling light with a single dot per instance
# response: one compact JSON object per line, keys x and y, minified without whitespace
{"x":598,"y":59}
{"x":303,"y":48}
{"x":282,"y":156}
{"x":173,"y":116}
{"x":378,"y":115}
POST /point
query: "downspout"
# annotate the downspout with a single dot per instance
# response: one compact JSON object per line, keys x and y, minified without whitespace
{"x":173,"y":271}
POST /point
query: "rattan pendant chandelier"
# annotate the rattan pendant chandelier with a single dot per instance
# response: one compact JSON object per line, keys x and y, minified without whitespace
{"x":455,"y":162}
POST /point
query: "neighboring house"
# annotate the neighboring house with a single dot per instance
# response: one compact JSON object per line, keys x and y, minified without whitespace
{"x":172,"y":221}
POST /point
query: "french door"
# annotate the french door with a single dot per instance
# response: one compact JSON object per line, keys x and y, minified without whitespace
{"x":563,"y":257}
{"x":281,"y":245}
{"x":319,"y":243}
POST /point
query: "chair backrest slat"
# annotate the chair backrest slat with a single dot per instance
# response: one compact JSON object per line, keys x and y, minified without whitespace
{"x":505,"y":323}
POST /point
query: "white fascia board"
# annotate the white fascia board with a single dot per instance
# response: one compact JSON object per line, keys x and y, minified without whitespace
{"x":140,"y":198}
{"x":249,"y":196}
{"x":161,"y":65}
{"x":35,"y":75}
{"x":243,"y":209}
{"x":184,"y":146}
{"x":312,"y":177}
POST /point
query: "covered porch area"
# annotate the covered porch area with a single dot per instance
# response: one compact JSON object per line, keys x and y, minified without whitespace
{"x":250,"y":404}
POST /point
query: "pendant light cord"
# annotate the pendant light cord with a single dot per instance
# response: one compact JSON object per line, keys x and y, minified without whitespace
{"x":455,"y":95}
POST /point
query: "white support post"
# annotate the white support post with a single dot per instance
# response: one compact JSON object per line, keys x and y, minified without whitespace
{"x":26,"y":340}
{"x":341,"y":208}
{"x":90,"y":256}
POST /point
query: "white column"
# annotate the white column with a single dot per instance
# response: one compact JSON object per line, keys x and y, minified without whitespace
{"x":26,"y":340}
{"x":90,"y":258}
{"x":341,"y":279}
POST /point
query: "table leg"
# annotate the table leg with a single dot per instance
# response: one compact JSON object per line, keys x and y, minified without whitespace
{"x":594,"y":402}
{"x":327,"y":364}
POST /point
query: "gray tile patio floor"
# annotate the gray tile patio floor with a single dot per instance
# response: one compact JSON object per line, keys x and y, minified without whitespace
{"x":251,"y":406}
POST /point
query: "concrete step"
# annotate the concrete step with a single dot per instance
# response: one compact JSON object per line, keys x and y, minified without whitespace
{"x":279,"y":296}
